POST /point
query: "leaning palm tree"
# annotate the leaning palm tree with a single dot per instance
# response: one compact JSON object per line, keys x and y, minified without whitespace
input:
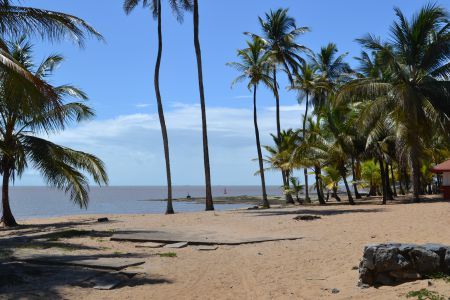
{"x":17,"y":20}
{"x":209,"y":201}
{"x":255,"y":66}
{"x":178,"y":6}
{"x":418,"y":85}
{"x":24,"y":116}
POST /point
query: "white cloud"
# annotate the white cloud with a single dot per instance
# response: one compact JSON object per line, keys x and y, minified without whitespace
{"x":131,"y":144}
{"x":143,"y":105}
{"x":288,"y":108}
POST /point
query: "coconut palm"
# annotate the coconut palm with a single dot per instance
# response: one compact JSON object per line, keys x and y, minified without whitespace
{"x":307,"y":83}
{"x":178,"y":6}
{"x":297,"y":188}
{"x":17,"y":20}
{"x":24,"y":116}
{"x":370,"y":173}
{"x":333,"y":71}
{"x":418,"y":87}
{"x":209,"y":201}
{"x":331,"y":179}
{"x":280,"y":33}
{"x":255,"y":67}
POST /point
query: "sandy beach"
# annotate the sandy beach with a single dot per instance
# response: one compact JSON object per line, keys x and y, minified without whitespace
{"x":325,"y":258}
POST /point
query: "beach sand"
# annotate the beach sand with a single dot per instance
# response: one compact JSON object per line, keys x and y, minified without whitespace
{"x":309,"y":268}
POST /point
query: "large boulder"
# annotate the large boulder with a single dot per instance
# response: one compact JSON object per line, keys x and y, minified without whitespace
{"x":393,"y":263}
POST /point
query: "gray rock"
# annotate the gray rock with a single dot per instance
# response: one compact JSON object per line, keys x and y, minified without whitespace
{"x":335,"y":291}
{"x":393,"y":263}
{"x":425,"y":261}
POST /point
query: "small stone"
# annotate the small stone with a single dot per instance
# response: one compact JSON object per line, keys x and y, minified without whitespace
{"x":335,"y":291}
{"x":430,"y":283}
{"x":102,"y":220}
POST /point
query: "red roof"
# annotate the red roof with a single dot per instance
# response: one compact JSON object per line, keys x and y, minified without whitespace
{"x":443,"y":167}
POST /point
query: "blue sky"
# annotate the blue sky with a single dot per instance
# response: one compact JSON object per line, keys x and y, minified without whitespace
{"x":118,"y":77}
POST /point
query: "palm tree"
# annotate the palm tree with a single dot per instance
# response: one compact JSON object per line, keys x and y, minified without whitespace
{"x":16,"y":20}
{"x":418,"y":87}
{"x":255,"y":66}
{"x":307,"y":83}
{"x":24,"y":115}
{"x":331,"y":179}
{"x":333,"y":71}
{"x":155,"y":6}
{"x":280,"y":33}
{"x":209,"y":201}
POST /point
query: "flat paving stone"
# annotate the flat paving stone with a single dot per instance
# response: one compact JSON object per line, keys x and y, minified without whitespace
{"x":150,"y":245}
{"x":110,"y":263}
{"x":108,"y":281}
{"x":193,"y":238}
{"x":176,"y":245}
{"x":206,"y":248}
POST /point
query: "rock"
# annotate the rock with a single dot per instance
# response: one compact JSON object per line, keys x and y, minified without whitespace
{"x":150,"y":245}
{"x":425,"y":261}
{"x":393,"y":263}
{"x":335,"y":291}
{"x":307,"y":218}
{"x":102,"y":220}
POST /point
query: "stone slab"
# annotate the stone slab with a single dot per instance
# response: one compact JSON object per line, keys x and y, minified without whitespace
{"x":108,"y":281}
{"x":176,"y":245}
{"x":151,"y":245}
{"x":206,"y":248}
{"x":109,"y":263}
{"x":193,"y":238}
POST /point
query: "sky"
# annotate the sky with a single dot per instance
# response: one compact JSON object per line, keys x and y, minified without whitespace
{"x":117,"y":74}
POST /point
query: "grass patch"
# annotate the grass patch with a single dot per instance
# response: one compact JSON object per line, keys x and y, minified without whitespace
{"x":67,"y":234}
{"x":167,"y":254}
{"x":425,"y":294}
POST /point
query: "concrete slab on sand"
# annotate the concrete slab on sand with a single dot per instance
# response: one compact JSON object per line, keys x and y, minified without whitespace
{"x":109,"y":263}
{"x":206,"y":248}
{"x":150,"y":245}
{"x":193,"y":238}
{"x":176,"y":245}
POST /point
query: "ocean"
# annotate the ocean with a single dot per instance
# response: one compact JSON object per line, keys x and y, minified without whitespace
{"x":44,"y":202}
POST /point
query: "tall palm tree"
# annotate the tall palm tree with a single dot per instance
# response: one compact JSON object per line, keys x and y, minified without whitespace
{"x":16,"y":20}
{"x":255,"y":66}
{"x":209,"y":201}
{"x":178,"y":6}
{"x":280,"y":34}
{"x":418,"y":86}
{"x":307,"y":83}
{"x":24,"y":115}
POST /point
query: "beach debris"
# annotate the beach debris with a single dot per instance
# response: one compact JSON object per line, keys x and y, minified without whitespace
{"x":307,"y":218}
{"x":176,"y":245}
{"x":102,"y":220}
{"x":150,"y":245}
{"x":394,"y":263}
{"x":205,"y":248}
{"x":335,"y":291}
{"x":253,"y":208}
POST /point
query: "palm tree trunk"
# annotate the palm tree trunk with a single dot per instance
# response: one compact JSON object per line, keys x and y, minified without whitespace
{"x":305,"y":170}
{"x":266,"y":203}
{"x":169,"y":209}
{"x":335,"y":194}
{"x":209,"y":201}
{"x":355,"y":186}
{"x":7,"y":218}
{"x":349,"y":193}
{"x":277,"y":102}
{"x":288,"y":195}
{"x":393,"y":181}
{"x":388,"y":183}
{"x":319,"y":186}
{"x":383,"y":180}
